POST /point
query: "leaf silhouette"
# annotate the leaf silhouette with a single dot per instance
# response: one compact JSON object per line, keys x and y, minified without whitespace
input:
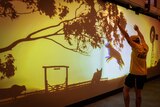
{"x":90,"y":25}
{"x":7,"y":69}
{"x":47,"y":6}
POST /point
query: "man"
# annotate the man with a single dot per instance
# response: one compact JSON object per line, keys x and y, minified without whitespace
{"x":138,"y":69}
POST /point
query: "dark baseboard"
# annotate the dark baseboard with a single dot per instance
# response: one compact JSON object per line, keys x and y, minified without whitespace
{"x":152,"y":78}
{"x":102,"y":96}
{"x":96,"y":98}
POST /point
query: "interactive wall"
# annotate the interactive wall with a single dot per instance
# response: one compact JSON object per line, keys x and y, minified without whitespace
{"x":59,"y":52}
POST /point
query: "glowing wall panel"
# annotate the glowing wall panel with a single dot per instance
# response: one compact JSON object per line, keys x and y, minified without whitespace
{"x":73,"y":50}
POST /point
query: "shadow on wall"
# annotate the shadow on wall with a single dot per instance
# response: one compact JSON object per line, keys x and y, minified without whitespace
{"x":113,"y":53}
{"x":13,"y":92}
{"x":67,"y":95}
{"x":153,"y":71}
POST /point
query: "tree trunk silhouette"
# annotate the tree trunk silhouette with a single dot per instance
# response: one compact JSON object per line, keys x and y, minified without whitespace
{"x":87,"y":27}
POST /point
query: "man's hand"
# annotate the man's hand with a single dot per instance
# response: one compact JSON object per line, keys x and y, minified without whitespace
{"x":136,"y":28}
{"x":139,"y":33}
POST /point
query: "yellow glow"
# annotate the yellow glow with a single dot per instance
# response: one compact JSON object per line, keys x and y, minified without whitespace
{"x":31,"y":56}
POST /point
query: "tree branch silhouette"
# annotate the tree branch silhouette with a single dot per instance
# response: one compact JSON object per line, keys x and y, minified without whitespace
{"x":74,"y":50}
{"x":78,"y":8}
{"x":87,"y":27}
{"x":46,"y":28}
{"x":12,"y":45}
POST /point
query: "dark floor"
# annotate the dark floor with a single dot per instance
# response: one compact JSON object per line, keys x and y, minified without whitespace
{"x":150,"y":97}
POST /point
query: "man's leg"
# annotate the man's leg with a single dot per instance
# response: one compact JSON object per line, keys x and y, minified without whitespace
{"x":126,"y":95}
{"x":140,"y":80}
{"x":138,"y":97}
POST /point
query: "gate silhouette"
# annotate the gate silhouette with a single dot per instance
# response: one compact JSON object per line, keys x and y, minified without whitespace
{"x":55,"y":87}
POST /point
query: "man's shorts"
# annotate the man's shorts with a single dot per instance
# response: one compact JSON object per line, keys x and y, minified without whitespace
{"x":136,"y":81}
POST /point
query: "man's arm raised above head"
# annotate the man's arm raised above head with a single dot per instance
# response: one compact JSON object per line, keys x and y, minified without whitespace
{"x":131,"y":43}
{"x":136,"y":28}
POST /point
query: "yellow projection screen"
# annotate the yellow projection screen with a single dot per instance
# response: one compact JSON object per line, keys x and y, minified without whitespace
{"x":59,"y":52}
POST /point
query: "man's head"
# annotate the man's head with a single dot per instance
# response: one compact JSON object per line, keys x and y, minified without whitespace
{"x":135,"y":38}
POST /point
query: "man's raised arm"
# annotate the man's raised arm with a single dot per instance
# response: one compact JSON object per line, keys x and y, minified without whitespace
{"x":125,"y":34}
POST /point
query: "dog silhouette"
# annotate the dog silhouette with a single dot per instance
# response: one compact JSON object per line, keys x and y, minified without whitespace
{"x":113,"y":53}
